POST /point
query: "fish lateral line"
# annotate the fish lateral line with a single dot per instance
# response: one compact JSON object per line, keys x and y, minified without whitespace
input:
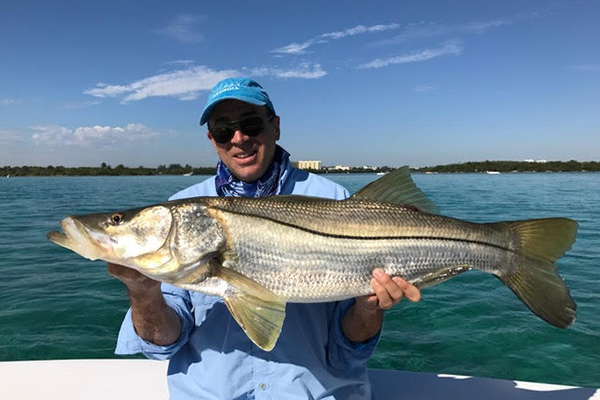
{"x":357,"y":237}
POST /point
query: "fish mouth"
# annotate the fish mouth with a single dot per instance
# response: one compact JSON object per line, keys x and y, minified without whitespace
{"x":75,"y":238}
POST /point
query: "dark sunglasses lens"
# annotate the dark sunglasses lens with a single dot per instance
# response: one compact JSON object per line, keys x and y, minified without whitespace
{"x":252,"y":126}
{"x":223,"y":132}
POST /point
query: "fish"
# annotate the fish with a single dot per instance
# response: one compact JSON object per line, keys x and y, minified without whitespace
{"x":260,"y":253}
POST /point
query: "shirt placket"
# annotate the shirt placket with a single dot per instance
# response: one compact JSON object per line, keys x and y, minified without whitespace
{"x":262,"y":373}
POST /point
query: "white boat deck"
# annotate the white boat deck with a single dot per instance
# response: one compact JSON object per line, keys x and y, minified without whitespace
{"x":144,"y":379}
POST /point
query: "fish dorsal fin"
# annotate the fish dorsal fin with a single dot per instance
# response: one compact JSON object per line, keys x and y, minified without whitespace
{"x":258,"y":311}
{"x":397,"y":187}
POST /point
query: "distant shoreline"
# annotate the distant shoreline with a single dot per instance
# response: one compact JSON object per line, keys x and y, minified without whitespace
{"x":516,"y":166}
{"x":492,"y":167}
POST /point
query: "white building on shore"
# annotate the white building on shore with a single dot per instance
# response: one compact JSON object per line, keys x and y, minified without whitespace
{"x":314,"y":165}
{"x":339,"y":168}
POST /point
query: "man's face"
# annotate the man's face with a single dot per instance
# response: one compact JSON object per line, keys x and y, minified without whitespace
{"x":247,"y":157}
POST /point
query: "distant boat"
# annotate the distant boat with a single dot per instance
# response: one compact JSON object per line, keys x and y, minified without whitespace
{"x":188,"y":174}
{"x":492,"y":172}
{"x":381,"y":173}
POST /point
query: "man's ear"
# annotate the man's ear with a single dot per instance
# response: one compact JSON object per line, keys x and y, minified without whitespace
{"x":275,"y":122}
{"x":209,"y":136}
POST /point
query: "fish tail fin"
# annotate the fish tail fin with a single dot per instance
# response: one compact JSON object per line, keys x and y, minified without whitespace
{"x":535,"y":280}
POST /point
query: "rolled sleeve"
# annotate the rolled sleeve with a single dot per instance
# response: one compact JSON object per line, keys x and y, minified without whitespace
{"x":129,"y":342}
{"x":343,"y":353}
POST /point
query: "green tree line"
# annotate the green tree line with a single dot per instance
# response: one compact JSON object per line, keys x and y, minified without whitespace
{"x":517,"y":166}
{"x":104,"y":169}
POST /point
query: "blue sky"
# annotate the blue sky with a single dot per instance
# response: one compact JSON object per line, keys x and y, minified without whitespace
{"x":355,"y":83}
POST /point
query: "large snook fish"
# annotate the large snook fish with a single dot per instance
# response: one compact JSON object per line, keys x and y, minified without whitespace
{"x":258,"y":254}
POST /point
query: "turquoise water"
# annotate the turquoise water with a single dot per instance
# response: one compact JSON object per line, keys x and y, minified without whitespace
{"x":56,"y":305}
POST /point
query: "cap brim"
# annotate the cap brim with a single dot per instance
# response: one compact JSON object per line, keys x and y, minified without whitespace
{"x":209,"y":108}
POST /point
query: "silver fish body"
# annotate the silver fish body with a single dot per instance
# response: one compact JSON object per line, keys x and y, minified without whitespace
{"x":259,"y":254}
{"x":320,"y":259}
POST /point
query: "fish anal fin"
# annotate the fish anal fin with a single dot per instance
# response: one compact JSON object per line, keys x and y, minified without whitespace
{"x":258,"y":311}
{"x":261,"y":320}
{"x":397,"y":187}
{"x":439,"y":276}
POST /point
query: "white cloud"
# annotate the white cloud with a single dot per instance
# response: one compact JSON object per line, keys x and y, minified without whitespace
{"x":482,"y":26}
{"x":302,"y":71}
{"x":450,"y":48}
{"x":410,"y":32}
{"x":78,"y":105}
{"x":189,"y":83}
{"x":7,"y":102}
{"x":180,"y":62}
{"x":50,"y":135}
{"x":183,"y":29}
{"x":360,"y":29}
{"x":293,"y":48}
{"x":423,"y":30}
{"x":104,"y":90}
{"x":300,"y":48}
{"x":185,"y":84}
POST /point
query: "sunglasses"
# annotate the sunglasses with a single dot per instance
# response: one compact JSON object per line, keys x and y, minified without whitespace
{"x":223,"y":131}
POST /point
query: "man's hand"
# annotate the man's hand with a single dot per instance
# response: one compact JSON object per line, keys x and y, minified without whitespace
{"x":135,"y":281}
{"x":388,"y":292}
{"x":153,"y":319}
{"x":364,"y":320}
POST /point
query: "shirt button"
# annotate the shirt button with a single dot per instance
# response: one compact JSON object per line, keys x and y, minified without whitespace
{"x":262,"y":386}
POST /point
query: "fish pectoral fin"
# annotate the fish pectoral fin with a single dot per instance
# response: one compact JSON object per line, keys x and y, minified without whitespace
{"x":397,"y":187}
{"x":258,"y":311}
{"x":439,"y":276}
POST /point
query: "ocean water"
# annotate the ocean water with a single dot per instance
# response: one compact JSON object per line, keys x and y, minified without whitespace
{"x":57,"y":305}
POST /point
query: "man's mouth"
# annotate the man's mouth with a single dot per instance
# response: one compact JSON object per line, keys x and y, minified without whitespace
{"x":243,"y":156}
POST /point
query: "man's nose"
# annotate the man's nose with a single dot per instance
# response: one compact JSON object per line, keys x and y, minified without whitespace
{"x":238,"y":137}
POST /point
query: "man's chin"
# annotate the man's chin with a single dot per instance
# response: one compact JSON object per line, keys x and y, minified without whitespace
{"x":248,"y":174}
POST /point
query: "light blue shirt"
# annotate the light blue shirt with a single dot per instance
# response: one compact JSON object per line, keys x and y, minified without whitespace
{"x":214,"y":359}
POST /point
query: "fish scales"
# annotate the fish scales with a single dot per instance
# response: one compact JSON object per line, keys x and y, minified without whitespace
{"x":303,"y":265}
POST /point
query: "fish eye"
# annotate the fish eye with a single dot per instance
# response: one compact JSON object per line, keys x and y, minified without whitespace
{"x":117,"y":218}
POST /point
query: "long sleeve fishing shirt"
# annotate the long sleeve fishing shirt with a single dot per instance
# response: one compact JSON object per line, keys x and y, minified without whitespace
{"x":214,"y":359}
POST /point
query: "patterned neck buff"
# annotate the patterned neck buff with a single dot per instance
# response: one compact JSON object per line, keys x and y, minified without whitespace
{"x":268,"y":185}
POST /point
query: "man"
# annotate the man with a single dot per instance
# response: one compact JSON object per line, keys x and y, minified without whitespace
{"x":323,"y":348}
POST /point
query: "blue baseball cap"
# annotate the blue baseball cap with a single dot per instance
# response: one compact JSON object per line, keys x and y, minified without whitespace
{"x":243,"y":89}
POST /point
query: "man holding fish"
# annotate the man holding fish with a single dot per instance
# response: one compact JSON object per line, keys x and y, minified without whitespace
{"x":323,"y":348}
{"x":231,"y":256}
